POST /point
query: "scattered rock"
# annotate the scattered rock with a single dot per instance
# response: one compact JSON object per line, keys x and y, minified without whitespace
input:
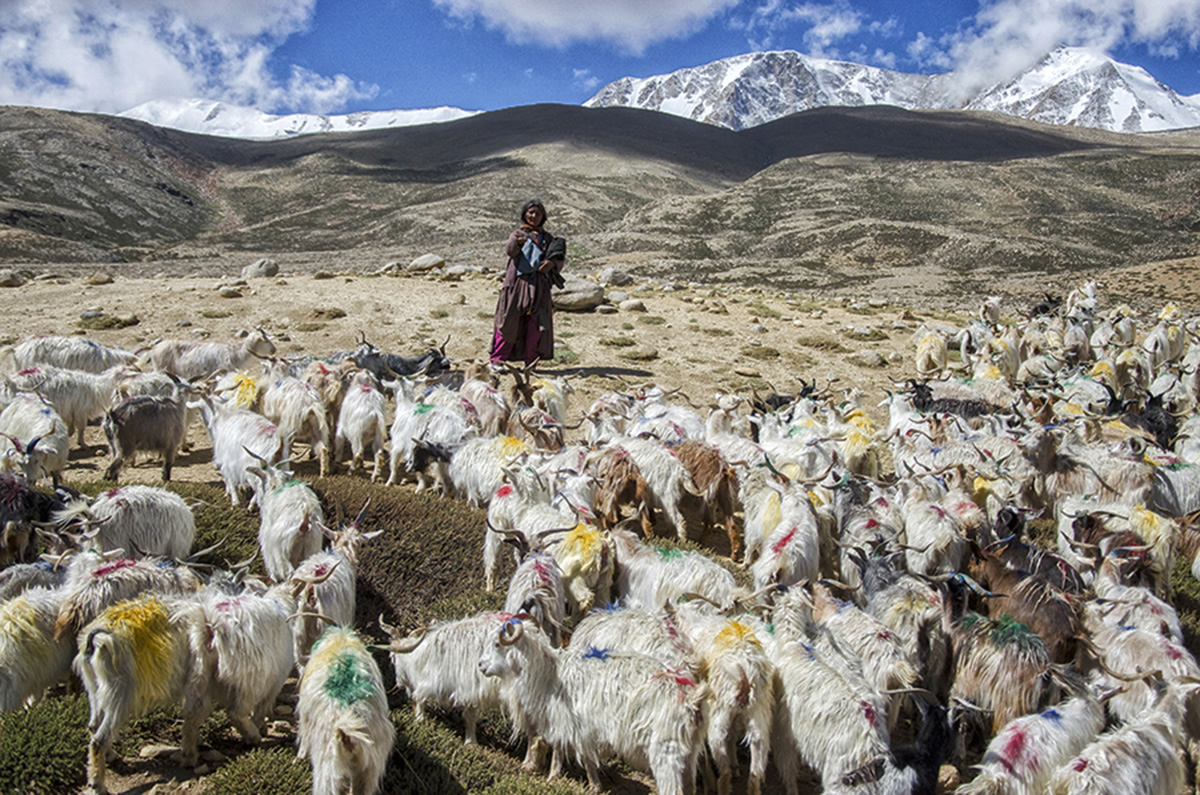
{"x":877,"y":303}
{"x":184,"y":323}
{"x":426,"y":262}
{"x":202,"y":770}
{"x":229,"y":292}
{"x":614,"y":277}
{"x":907,"y":314}
{"x":157,"y":751}
{"x":99,"y":278}
{"x":461,"y":299}
{"x":948,"y":778}
{"x":617,"y":296}
{"x":867,"y":358}
{"x":263,"y":267}
{"x":643,"y":288}
{"x":817,"y":314}
{"x":632,"y":305}
{"x":322,"y":275}
{"x":389,"y":269}
{"x":747,"y":372}
{"x":213,"y":755}
{"x":579,"y":294}
{"x":91,"y":313}
{"x":641,"y":353}
{"x":606,"y":309}
{"x":758,"y":328}
{"x":45,"y":277}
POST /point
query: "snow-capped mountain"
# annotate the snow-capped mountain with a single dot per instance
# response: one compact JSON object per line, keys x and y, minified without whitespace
{"x":1085,"y":88}
{"x":1067,"y":86}
{"x":234,"y":121}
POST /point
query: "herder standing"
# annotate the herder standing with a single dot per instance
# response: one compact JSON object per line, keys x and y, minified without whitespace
{"x":524,"y":322}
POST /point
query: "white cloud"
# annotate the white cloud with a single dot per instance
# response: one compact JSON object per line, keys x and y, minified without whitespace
{"x":1009,"y":35}
{"x":630,"y":25}
{"x":585,"y":79}
{"x":826,"y":24}
{"x":109,"y":55}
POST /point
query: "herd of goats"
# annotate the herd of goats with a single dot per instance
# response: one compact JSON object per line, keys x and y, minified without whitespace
{"x":895,"y":629}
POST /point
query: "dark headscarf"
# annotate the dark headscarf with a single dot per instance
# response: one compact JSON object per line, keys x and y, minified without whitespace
{"x":533,"y":203}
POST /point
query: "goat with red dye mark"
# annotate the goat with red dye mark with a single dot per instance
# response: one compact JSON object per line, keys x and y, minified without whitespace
{"x":323,"y":586}
{"x":1144,"y":755}
{"x":438,"y":666}
{"x":1024,"y":755}
{"x":589,"y":705}
{"x":144,"y":520}
{"x":362,"y":422}
{"x":240,"y":440}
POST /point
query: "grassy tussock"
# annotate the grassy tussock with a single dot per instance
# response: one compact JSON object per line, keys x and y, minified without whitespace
{"x":44,"y":749}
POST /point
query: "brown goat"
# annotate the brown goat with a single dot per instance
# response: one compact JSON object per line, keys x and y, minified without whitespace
{"x":717,"y":481}
{"x":620,"y":483}
{"x":1033,"y":601}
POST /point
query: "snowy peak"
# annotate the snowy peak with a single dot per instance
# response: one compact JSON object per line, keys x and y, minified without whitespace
{"x":748,"y":90}
{"x":1067,"y":86}
{"x":1086,"y":88}
{"x":208,"y":117}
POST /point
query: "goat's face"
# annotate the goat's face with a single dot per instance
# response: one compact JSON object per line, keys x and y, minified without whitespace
{"x":501,"y":658}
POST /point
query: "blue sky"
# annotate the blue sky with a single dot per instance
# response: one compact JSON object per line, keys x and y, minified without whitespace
{"x":336,"y":56}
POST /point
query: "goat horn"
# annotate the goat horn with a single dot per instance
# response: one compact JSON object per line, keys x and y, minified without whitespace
{"x":405,"y":645}
{"x":511,"y":631}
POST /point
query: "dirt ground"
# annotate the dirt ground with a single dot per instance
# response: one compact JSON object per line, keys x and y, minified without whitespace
{"x":702,"y":340}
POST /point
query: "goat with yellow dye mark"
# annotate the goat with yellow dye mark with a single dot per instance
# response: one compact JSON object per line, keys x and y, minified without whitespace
{"x":136,"y":656}
{"x":344,"y":728}
{"x":30,"y":658}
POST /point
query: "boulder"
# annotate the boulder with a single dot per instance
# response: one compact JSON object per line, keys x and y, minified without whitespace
{"x":632,"y":305}
{"x":10,"y":278}
{"x":614,"y":277}
{"x":426,"y":262}
{"x":99,"y":278}
{"x":261,"y":268}
{"x":579,"y":295}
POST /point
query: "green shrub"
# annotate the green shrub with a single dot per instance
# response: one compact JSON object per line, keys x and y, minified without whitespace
{"x":438,"y":314}
{"x":263,"y":771}
{"x":44,"y":749}
{"x":617,"y":342}
{"x":652,"y":320}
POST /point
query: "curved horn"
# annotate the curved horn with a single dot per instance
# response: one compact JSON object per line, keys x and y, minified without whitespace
{"x":405,"y":645}
{"x":511,"y":631}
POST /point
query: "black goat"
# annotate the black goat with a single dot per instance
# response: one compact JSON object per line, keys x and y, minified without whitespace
{"x":1153,"y":419}
{"x":387,"y":366}
{"x":967,"y":408}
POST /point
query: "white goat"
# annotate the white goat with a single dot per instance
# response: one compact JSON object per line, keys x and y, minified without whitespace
{"x":77,"y":396}
{"x":298,"y":411}
{"x":439,"y":666}
{"x":362,"y":421}
{"x":239,"y":438}
{"x":192,"y":360}
{"x":30,"y":658}
{"x":591,"y":704}
{"x":73,"y":353}
{"x":33,"y":439}
{"x":344,"y":728}
{"x":141,"y":519}
{"x":290,"y":520}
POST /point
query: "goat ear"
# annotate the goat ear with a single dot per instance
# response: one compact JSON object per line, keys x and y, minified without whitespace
{"x":371,"y":536}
